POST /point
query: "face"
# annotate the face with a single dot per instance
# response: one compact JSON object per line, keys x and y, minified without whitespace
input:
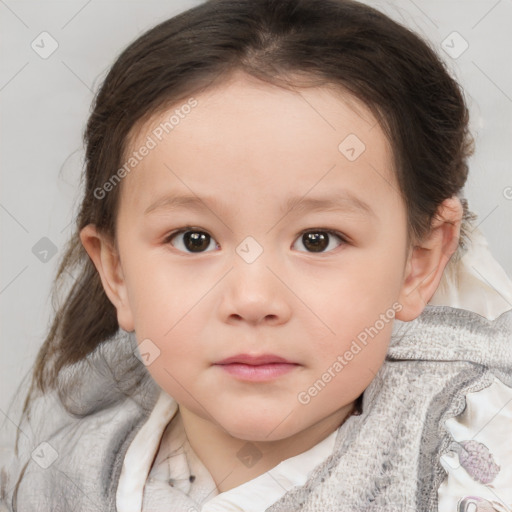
{"x":292,"y":243}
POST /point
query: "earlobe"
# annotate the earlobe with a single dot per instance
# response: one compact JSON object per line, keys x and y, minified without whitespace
{"x":428,"y":259}
{"x":106,"y":260}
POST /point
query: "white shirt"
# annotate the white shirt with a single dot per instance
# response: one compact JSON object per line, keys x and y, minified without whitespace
{"x":138,"y":477}
{"x":476,"y":282}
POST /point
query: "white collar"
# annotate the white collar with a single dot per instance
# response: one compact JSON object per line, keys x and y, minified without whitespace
{"x":252,"y":496}
{"x":476,"y":283}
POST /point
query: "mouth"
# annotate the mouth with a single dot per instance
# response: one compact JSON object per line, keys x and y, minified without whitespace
{"x":256,"y":368}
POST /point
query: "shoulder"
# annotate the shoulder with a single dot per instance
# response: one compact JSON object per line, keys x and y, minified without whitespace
{"x":478,"y":461}
{"x":448,"y":377}
{"x":73,"y":439}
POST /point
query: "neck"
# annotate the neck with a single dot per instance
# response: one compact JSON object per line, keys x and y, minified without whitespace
{"x":218,"y":450}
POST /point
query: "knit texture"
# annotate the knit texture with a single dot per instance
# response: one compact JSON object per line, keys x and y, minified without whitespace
{"x":386,"y":459}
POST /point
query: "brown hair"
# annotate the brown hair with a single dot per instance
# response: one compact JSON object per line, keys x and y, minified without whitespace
{"x":344,"y":43}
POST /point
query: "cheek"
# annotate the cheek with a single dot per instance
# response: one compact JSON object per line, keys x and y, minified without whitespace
{"x":170,"y":308}
{"x":345,"y":367}
{"x":357,"y":306}
{"x":161,"y":294}
{"x":353,"y":296}
{"x":180,"y":347}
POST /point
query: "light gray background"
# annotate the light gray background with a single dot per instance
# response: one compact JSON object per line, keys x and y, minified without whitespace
{"x":45,"y":105}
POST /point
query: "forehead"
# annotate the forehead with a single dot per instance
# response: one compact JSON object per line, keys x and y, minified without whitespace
{"x":249,"y":134}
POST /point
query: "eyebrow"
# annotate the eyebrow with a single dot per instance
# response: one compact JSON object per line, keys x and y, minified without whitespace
{"x":343,"y":201}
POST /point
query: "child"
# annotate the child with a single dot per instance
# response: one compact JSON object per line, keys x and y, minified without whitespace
{"x":273,"y":192}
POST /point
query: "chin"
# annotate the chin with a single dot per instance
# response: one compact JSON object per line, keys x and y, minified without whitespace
{"x":255,"y":435}
{"x":260,"y":429}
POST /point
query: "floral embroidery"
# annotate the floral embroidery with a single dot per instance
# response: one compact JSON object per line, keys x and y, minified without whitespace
{"x":475,"y":504}
{"x":478,"y":462}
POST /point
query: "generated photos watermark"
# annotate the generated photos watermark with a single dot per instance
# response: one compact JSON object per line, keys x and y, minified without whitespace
{"x":151,"y":142}
{"x":342,"y":360}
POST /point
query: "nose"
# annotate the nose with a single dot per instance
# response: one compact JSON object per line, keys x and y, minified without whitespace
{"x":253,"y":293}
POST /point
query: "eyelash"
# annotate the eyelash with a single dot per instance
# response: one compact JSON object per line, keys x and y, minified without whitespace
{"x":343,"y":239}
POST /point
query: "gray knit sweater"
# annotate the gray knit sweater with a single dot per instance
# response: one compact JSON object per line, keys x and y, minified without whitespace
{"x":386,"y":459}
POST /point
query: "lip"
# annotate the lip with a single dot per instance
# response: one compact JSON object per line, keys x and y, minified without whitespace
{"x":254,"y":360}
{"x":256,"y":368}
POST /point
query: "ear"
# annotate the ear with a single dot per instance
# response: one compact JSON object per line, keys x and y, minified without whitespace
{"x":427,"y":260}
{"x":106,"y":260}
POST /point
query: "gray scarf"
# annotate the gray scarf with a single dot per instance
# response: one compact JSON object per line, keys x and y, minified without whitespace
{"x":386,"y":459}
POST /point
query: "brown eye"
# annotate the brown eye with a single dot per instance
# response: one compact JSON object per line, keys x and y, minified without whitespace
{"x":319,"y":240}
{"x":191,"y":241}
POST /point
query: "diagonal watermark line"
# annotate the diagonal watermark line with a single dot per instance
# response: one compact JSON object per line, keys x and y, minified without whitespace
{"x":190,"y":394}
{"x":85,"y":494}
{"x":14,"y":218}
{"x":494,"y":416}
{"x":406,"y":19}
{"x":277,"y":481}
{"x":14,"y":76}
{"x":198,"y":197}
{"x":486,"y":14}
{"x":3,"y":3}
{"x":420,"y":283}
{"x":493,"y":82}
{"x":216,"y":489}
{"x":373,"y":126}
{"x":300,"y":299}
{"x":15,"y":425}
{"x":414,"y":412}
{"x":204,"y":295}
{"x":386,"y":180}
{"x":76,"y":14}
{"x":13,"y":279}
{"x":488,"y":215}
{"x":280,"y":423}
{"x":312,"y":187}
{"x":476,"y":270}
{"x":67,"y":225}
{"x":424,"y":14}
{"x":77,"y":76}
{"x":302,"y":96}
{"x":501,"y":502}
